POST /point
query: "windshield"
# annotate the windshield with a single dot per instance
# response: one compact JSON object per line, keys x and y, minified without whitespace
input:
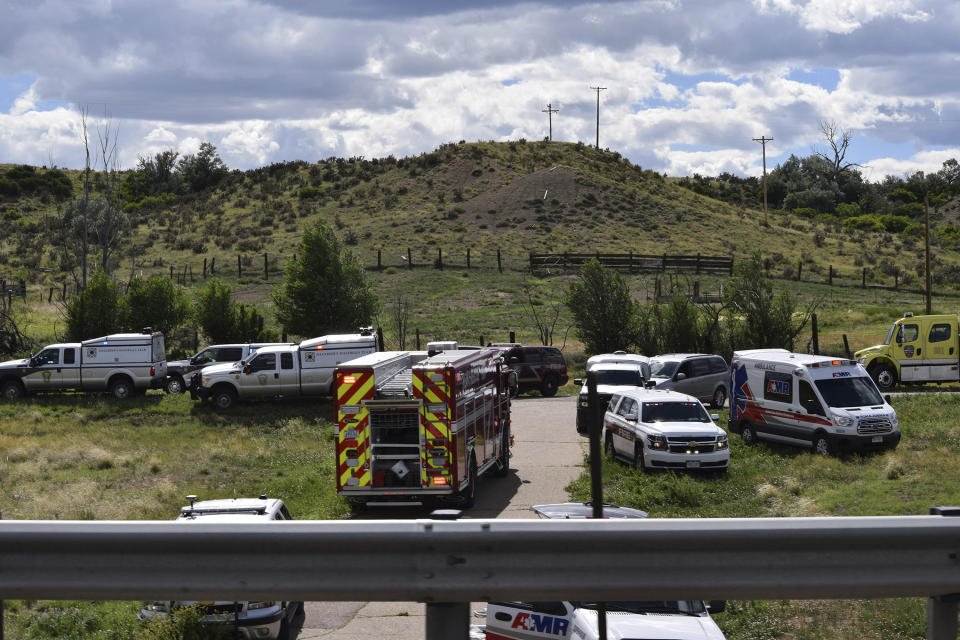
{"x":674,"y":412}
{"x":663,"y":368}
{"x":849,"y":392}
{"x":650,"y":606}
{"x":893,"y":330}
{"x":622,"y":378}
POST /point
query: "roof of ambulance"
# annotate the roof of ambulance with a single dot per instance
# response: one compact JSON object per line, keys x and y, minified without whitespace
{"x":783,"y":356}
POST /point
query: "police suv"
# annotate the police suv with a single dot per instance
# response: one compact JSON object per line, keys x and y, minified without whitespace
{"x":654,"y":429}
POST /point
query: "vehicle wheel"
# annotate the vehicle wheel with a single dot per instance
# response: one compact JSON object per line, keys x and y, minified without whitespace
{"x":747,"y":434}
{"x":608,"y":445}
{"x":469,"y":495}
{"x":13,"y":390}
{"x":224,"y":398}
{"x":638,"y":459}
{"x":175,"y":384}
{"x":884,"y":375}
{"x":719,"y":397}
{"x":503,"y":460}
{"x":823,"y":445}
{"x":122,"y":388}
{"x":549,"y":386}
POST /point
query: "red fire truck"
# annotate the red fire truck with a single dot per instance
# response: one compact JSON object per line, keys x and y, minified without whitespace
{"x":411,"y":427}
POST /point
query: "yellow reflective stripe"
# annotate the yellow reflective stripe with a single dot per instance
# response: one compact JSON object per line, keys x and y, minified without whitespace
{"x":361,"y":390}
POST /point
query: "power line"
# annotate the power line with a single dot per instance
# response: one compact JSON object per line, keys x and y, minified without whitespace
{"x":550,"y":111}
{"x":598,"y":90}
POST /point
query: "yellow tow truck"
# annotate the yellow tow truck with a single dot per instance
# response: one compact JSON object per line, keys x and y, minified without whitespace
{"x":917,"y":349}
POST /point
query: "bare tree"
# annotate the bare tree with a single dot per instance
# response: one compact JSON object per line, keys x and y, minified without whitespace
{"x":111,"y":221}
{"x":839,"y":141}
{"x":546,"y":322}
{"x":400,"y":315}
{"x":84,"y":112}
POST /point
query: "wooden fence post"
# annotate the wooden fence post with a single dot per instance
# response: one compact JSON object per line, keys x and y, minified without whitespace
{"x":204,"y":268}
{"x":468,"y":257}
{"x":266,"y":267}
{"x":816,"y":334}
{"x":50,"y":296}
{"x":513,"y":337}
{"x":379,"y":258}
{"x":171,"y":272}
{"x":63,"y":296}
{"x":896,"y":281}
{"x":863,"y":284}
{"x":410,"y":266}
{"x":239,"y":268}
{"x":380,"y":339}
{"x":23,"y":288}
{"x":800,"y":270}
{"x":482,"y":343}
{"x":499,"y":264}
{"x":846,"y":346}
{"x":440,"y":258}
{"x":213,"y":262}
{"x":418,"y":339}
{"x":830,"y":277}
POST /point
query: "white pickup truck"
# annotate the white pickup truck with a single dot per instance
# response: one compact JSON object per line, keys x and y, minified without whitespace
{"x":304,"y":369}
{"x":122,"y":363}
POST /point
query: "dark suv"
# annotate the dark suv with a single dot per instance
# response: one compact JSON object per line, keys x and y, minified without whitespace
{"x":541,"y":368}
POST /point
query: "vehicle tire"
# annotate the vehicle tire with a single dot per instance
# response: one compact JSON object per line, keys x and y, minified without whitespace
{"x":468,"y":496}
{"x":608,"y":445}
{"x":503,"y":460}
{"x":549,"y":386}
{"x":638,"y":459}
{"x":13,"y":390}
{"x":122,"y":388}
{"x":175,"y":384}
{"x":747,"y":434}
{"x":719,"y":397}
{"x":224,"y":397}
{"x":884,"y":375}
{"x":823,"y":444}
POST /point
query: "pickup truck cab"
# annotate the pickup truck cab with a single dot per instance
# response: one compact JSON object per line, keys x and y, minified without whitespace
{"x":654,"y":429}
{"x":917,"y":349}
{"x":178,"y":371}
{"x":296,"y":370}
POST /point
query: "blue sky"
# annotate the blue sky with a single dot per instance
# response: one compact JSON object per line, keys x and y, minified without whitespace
{"x":689,"y":83}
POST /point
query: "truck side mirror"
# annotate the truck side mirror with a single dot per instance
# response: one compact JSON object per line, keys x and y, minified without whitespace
{"x":248,"y":369}
{"x":681,"y":376}
{"x":887,"y":398}
{"x":32,"y":363}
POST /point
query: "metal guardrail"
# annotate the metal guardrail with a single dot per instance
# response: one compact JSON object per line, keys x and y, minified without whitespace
{"x":443,"y":562}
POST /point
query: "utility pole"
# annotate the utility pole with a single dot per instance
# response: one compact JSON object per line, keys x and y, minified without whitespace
{"x":550,"y":111}
{"x":763,"y":141}
{"x":598,"y":90}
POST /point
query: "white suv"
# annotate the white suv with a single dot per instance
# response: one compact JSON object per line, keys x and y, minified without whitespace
{"x":263,"y":620}
{"x":656,"y":429}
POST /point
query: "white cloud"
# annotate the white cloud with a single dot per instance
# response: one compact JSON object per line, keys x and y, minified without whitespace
{"x":843,"y":16}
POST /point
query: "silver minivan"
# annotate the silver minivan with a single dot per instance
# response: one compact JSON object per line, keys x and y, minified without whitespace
{"x":701,"y":375}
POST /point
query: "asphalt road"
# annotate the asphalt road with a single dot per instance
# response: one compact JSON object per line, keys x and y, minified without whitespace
{"x":547,"y":455}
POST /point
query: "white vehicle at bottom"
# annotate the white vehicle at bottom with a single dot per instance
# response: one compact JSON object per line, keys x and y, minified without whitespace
{"x":654,"y":429}
{"x":255,"y":620}
{"x":639,"y":620}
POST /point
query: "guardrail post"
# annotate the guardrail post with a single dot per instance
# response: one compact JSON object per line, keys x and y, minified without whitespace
{"x":448,"y":621}
{"x":942,"y":617}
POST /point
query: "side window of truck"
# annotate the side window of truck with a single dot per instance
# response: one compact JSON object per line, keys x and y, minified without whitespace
{"x":264,"y":362}
{"x":939,"y":333}
{"x":230,"y":354}
{"x":48,"y":356}
{"x":908,"y":333}
{"x":69,"y":356}
{"x":531,"y":354}
{"x":286,"y":361}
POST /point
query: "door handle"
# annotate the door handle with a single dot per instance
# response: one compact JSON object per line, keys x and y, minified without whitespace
{"x":918,"y":352}
{"x":59,"y":370}
{"x":951,"y":350}
{"x":276,"y":375}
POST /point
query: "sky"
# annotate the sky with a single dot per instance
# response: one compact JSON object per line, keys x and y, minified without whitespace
{"x":687,"y":84}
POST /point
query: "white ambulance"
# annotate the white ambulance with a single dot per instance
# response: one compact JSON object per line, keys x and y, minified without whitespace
{"x":828,"y":404}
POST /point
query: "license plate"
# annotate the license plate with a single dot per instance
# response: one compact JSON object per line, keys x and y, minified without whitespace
{"x":693,"y":464}
{"x":877,"y":439}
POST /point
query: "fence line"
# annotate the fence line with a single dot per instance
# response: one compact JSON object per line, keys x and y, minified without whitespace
{"x":635,"y":262}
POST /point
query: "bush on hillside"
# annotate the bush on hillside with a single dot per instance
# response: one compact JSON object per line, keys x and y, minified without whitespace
{"x":95,"y":310}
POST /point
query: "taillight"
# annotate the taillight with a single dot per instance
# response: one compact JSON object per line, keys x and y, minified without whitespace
{"x":153,"y":371}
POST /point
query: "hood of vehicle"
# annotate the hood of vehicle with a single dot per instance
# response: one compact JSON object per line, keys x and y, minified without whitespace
{"x":641,"y":626}
{"x":869,"y":351}
{"x":657,"y":625}
{"x":225,"y":369}
{"x":183,"y":364}
{"x":685,"y":428}
{"x":14,"y":364}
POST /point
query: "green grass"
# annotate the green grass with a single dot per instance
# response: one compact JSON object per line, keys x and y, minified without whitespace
{"x":770,"y":480}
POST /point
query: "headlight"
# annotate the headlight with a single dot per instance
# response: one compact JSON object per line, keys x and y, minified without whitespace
{"x":722,"y":442}
{"x":156,"y":605}
{"x":844,"y":421}
{"x":658,"y":443}
{"x":893,"y":420}
{"x":862,"y":360}
{"x":262,"y":604}
{"x":582,"y":401}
